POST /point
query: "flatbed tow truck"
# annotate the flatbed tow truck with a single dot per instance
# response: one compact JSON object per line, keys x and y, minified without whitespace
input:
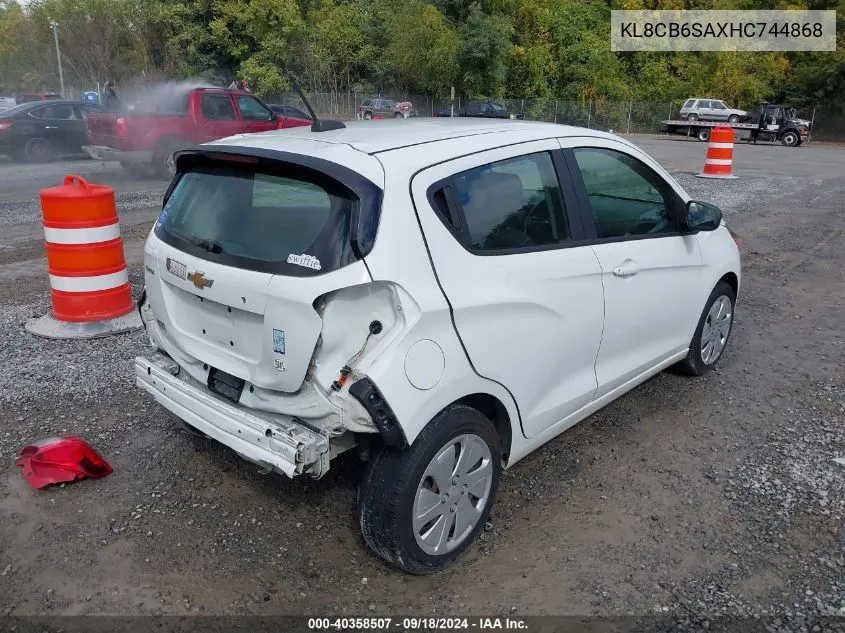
{"x":774,"y":123}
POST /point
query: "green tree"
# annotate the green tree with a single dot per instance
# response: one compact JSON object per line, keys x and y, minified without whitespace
{"x":96,"y":37}
{"x":588,"y":68}
{"x":423,"y":49}
{"x":337,"y":50}
{"x":20,"y":63}
{"x":533,"y":67}
{"x":485,"y":51}
{"x":264,"y":36}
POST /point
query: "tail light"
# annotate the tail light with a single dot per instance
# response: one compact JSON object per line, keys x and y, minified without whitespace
{"x":121,"y":127}
{"x":4,"y":125}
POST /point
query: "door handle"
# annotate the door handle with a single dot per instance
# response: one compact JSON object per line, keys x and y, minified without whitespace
{"x":626,"y":269}
{"x":51,"y":127}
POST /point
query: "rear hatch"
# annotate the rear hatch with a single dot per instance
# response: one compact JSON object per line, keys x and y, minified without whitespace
{"x":240,"y":254}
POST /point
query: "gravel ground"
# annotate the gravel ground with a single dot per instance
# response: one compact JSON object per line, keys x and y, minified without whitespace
{"x":27,"y":211}
{"x":686,"y":502}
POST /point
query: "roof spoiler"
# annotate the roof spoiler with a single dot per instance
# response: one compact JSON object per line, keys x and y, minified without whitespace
{"x":319,"y":125}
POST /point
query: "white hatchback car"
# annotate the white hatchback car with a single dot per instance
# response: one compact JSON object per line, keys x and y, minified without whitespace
{"x":443,"y":296}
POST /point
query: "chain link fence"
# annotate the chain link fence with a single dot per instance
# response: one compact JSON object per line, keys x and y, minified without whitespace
{"x":345,"y":105}
{"x":622,"y":117}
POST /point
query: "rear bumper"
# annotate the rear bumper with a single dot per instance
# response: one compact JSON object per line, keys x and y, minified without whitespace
{"x":266,"y":439}
{"x":103,"y":152}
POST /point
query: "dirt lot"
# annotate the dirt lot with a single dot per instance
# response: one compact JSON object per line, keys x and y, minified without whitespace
{"x":688,"y":497}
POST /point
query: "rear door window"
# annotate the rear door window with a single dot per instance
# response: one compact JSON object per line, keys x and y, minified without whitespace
{"x":217,"y":108}
{"x":513,"y":204}
{"x":296,"y":225}
{"x":55,"y":113}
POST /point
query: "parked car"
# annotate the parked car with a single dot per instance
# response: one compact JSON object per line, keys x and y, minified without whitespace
{"x":482,"y":109}
{"x":289,"y":111}
{"x":711,"y":110}
{"x":144,"y":138}
{"x":37,"y":96}
{"x":385,"y":108}
{"x":38,"y":132}
{"x":482,"y":297}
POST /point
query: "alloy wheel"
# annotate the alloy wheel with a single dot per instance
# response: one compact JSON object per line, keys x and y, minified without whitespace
{"x":717,"y":327}
{"x":452,"y":494}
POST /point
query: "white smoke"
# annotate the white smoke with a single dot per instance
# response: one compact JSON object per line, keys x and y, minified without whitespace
{"x":158,"y":96}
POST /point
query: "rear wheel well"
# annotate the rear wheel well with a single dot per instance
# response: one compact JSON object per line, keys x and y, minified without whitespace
{"x":495,"y":411}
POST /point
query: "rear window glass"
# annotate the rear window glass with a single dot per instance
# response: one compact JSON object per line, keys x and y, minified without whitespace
{"x":166,"y":104}
{"x":260,"y":221}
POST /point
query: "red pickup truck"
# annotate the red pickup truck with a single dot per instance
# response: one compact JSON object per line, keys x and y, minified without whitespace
{"x":143,"y":137}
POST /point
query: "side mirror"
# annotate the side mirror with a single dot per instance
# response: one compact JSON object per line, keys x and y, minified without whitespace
{"x":701,"y":216}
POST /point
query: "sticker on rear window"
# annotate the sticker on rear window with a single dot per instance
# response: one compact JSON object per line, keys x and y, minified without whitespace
{"x":177,"y":268}
{"x":308,"y":261}
{"x":279,"y":341}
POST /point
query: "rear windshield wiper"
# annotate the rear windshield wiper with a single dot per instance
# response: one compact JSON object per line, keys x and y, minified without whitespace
{"x":209,"y":245}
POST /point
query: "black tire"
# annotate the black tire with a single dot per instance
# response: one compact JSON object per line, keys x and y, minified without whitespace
{"x":38,"y":150}
{"x":398,"y":115}
{"x":693,"y":364}
{"x":163,"y":164}
{"x":368,"y":115}
{"x":790,"y":139}
{"x":388,"y":491}
{"x":136,"y":170}
{"x":703,"y":134}
{"x":692,"y":117}
{"x":734,"y":118}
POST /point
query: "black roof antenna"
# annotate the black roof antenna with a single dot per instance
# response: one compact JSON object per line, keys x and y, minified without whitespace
{"x":318,"y":125}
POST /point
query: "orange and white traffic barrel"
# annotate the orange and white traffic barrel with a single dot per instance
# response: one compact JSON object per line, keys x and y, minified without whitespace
{"x":720,"y":154}
{"x":89,"y":281}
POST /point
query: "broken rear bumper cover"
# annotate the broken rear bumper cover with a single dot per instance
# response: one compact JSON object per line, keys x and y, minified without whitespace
{"x":266,"y":439}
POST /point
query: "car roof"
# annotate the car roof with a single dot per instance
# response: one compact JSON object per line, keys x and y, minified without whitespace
{"x":373,"y":137}
{"x":55,"y":102}
{"x":32,"y":105}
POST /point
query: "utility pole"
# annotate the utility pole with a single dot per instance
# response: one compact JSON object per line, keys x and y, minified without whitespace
{"x":55,"y":28}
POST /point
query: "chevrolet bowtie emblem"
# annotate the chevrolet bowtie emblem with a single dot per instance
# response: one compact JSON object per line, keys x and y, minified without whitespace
{"x":199,"y":280}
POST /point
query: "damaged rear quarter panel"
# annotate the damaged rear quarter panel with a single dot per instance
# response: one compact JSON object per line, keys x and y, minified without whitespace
{"x":400,"y":256}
